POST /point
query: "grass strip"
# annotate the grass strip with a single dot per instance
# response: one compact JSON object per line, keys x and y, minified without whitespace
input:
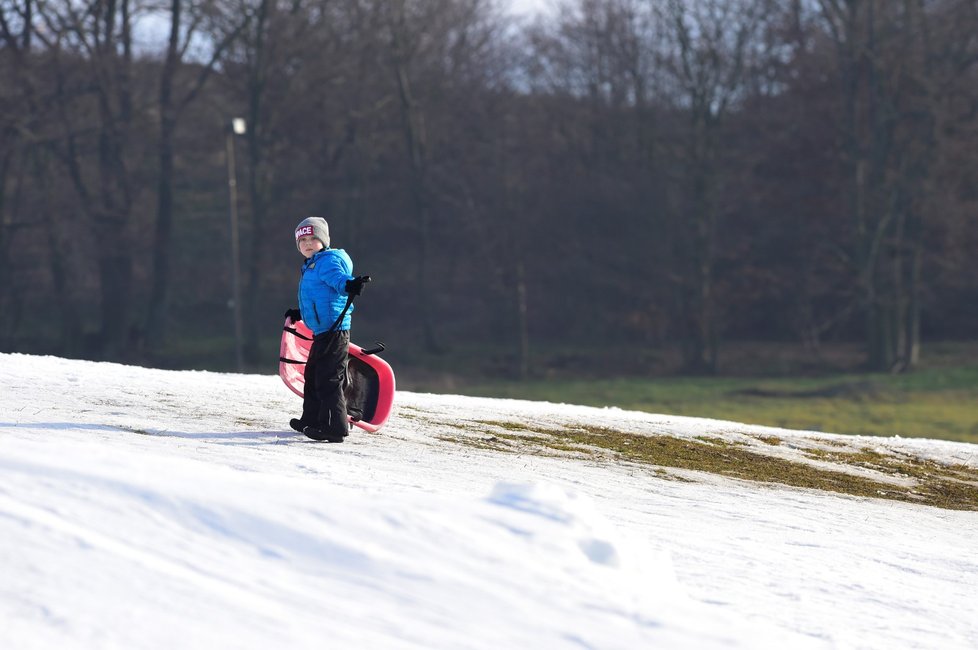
{"x":953,"y":487}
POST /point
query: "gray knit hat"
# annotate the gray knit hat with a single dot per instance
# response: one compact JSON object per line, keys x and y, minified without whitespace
{"x":315,"y":226}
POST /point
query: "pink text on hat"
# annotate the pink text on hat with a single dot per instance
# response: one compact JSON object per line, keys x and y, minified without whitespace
{"x":303,"y":231}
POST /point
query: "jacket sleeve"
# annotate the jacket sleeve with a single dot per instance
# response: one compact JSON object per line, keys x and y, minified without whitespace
{"x":336,"y":271}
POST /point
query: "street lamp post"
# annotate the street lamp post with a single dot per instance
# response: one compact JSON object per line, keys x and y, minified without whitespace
{"x":236,"y":127}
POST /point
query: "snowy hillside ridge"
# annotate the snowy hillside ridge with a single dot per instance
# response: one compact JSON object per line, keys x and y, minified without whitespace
{"x":145,"y":508}
{"x":919,"y":471}
{"x":938,"y":473}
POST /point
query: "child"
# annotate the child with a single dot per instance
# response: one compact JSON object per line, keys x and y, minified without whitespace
{"x":327,"y":278}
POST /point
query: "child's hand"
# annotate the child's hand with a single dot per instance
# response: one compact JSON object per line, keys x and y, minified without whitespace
{"x":354,"y":287}
{"x":293,"y":315}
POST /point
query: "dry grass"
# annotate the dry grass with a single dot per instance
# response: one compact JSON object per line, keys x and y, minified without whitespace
{"x":860,"y":472}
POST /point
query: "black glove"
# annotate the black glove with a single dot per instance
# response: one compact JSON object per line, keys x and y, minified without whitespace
{"x":294,"y":315}
{"x":354,"y":287}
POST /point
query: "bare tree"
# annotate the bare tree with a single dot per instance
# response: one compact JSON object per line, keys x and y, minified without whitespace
{"x":898,"y":64}
{"x":6,"y":236}
{"x":403,"y":46}
{"x":714,"y":44}
{"x":13,"y":73}
{"x":27,"y":134}
{"x":259,"y":49}
{"x":185,"y":27}
{"x":98,"y":35}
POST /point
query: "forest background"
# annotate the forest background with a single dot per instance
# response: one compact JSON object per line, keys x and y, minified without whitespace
{"x":613,"y":188}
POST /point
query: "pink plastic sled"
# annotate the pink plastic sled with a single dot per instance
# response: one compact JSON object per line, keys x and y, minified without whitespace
{"x":370,"y":379}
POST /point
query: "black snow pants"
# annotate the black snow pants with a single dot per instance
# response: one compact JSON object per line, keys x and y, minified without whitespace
{"x":324,"y":402}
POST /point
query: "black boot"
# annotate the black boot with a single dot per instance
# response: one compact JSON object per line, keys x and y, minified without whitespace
{"x":297,"y":424}
{"x":317,"y":433}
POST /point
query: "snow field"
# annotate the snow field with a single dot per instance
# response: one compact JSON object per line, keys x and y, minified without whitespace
{"x":152,"y":509}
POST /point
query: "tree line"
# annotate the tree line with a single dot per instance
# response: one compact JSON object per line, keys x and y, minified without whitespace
{"x":668,"y":173}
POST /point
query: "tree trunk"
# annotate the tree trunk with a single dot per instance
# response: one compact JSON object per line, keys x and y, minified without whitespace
{"x":159,"y":295}
{"x":6,"y":223}
{"x":258,"y":180}
{"x":415,"y":137}
{"x":114,"y":203}
{"x":259,"y":199}
{"x":698,"y":251}
{"x":522,"y":322}
{"x":891,"y":101}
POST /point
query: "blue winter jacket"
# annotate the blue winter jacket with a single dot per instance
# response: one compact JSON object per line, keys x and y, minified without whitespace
{"x":322,"y":290}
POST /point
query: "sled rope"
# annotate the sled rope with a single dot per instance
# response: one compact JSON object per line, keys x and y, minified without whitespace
{"x":293,"y":331}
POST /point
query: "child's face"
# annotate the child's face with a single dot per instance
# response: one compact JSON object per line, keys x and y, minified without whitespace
{"x":309,"y":245}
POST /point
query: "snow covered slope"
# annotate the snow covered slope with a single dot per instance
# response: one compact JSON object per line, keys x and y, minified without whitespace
{"x":151,"y":509}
